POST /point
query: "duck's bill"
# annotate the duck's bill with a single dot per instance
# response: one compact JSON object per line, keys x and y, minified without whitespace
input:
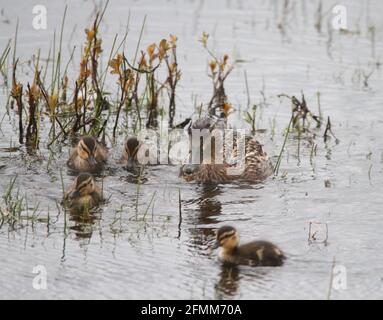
{"x":74,"y":195}
{"x":130,"y":163}
{"x":92,"y":161}
{"x":216,"y":245}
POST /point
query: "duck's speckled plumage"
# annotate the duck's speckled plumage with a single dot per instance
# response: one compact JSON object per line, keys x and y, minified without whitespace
{"x":83,"y":193}
{"x":138,"y":153}
{"x":257,"y":165}
{"x":88,"y":155}
{"x":256,"y":253}
{"x":129,"y":154}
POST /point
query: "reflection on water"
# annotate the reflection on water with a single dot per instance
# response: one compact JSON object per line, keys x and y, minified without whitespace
{"x":231,"y":278}
{"x":83,"y":222}
{"x":228,"y":283}
{"x":205,"y":216}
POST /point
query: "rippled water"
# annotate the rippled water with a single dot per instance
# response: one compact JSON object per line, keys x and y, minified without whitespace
{"x":140,"y":248}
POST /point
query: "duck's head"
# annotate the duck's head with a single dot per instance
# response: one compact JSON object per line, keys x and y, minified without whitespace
{"x":189,"y":170}
{"x":130,"y":151}
{"x":84,"y":186}
{"x":207,"y":123}
{"x":87,"y":149}
{"x":227,"y":238}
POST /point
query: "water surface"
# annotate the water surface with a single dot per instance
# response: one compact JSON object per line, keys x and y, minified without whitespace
{"x":137,"y":248}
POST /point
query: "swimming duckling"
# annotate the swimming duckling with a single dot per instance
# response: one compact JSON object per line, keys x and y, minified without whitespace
{"x":129,"y":155}
{"x":138,"y":153}
{"x":83,"y":193}
{"x":256,"y":253}
{"x":255,"y":165}
{"x":88,"y":156}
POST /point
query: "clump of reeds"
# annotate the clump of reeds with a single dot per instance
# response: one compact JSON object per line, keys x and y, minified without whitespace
{"x":33,"y":94}
{"x":87,"y":84}
{"x":13,"y":205}
{"x":17,"y":95}
{"x":126,"y":82}
{"x":300,"y":123}
{"x":130,"y":76}
{"x":82,"y":111}
{"x":301,"y":114}
{"x":219,"y":70}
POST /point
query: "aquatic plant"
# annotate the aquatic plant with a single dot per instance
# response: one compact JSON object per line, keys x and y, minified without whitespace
{"x":219,"y":70}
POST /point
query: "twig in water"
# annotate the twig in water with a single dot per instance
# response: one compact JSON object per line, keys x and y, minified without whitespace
{"x":329,"y":131}
{"x":276,"y":169}
{"x":331,"y":279}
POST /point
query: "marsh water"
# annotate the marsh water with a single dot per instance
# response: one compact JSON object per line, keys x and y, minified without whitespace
{"x":136,"y":245}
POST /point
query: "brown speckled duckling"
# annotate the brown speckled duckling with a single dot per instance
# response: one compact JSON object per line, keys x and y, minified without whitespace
{"x":129,"y":155}
{"x":256,"y":253}
{"x":88,"y":156}
{"x":257,"y":165}
{"x":138,"y":153}
{"x":83,"y":193}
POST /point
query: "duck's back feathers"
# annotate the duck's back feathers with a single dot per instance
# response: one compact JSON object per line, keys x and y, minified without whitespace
{"x":95,"y":149}
{"x":258,"y":165}
{"x":262,"y":253}
{"x":256,"y":253}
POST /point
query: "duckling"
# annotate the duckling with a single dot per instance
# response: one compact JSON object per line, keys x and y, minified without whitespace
{"x":83,"y":193}
{"x":137,"y":153}
{"x":256,"y":165}
{"x":256,"y":253}
{"x":129,"y":155}
{"x":88,"y":156}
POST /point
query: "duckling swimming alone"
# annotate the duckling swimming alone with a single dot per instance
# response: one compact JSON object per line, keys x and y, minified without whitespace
{"x":88,"y":156}
{"x":257,"y":165}
{"x":256,"y":253}
{"x":83,"y":193}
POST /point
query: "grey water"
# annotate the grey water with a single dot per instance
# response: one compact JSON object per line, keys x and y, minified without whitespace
{"x":135,"y":246}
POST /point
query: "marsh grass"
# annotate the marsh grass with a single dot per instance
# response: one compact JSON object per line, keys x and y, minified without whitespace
{"x":300,"y":125}
{"x":138,"y":86}
{"x":3,"y":62}
{"x":279,"y":160}
{"x":15,"y":205}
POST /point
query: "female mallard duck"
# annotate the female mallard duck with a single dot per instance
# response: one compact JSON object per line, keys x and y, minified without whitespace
{"x":256,"y":253}
{"x":256,"y":164}
{"x":88,"y":156}
{"x":83,"y":193}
